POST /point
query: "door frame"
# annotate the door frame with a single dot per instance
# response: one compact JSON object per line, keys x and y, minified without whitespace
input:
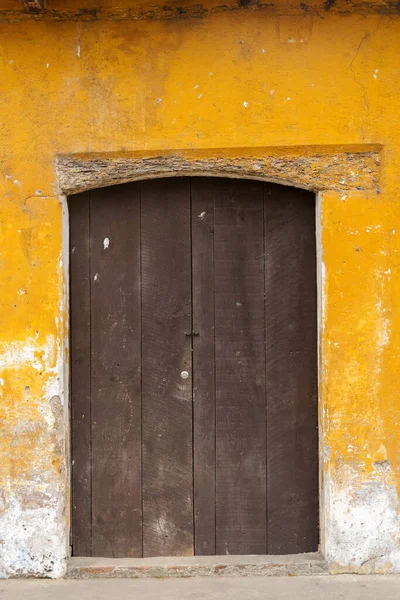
{"x":338,"y":170}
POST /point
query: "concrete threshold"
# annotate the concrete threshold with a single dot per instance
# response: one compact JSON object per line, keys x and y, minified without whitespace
{"x":196,"y":566}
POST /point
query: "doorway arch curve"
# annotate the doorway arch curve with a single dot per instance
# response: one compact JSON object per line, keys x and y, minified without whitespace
{"x":317,"y":168}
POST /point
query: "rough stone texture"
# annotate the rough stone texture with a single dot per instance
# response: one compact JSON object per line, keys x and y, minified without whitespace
{"x":197,"y":10}
{"x":339,"y":171}
{"x":35,"y":5}
{"x":197,"y":566}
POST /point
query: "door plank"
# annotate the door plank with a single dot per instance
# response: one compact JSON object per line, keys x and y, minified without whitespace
{"x":116,"y":373}
{"x":240,"y":368}
{"x":202,"y":194}
{"x":291,"y":370}
{"x":80,"y":375}
{"x":166,"y":352}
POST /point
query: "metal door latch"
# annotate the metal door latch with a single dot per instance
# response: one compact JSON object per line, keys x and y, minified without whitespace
{"x":192,"y":334}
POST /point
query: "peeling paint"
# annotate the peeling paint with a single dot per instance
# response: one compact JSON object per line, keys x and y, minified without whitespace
{"x":32,"y":515}
{"x":119,"y":103}
{"x":364,"y":524}
{"x":36,"y":545}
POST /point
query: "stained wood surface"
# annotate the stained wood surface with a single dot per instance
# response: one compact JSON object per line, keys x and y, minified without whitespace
{"x":116,"y":372}
{"x":240,"y":369}
{"x":215,"y":278}
{"x":291,"y":374}
{"x":203,"y":193}
{"x":81,"y":445}
{"x":166,"y":353}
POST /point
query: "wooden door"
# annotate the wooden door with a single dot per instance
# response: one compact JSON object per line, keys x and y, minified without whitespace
{"x":193,"y":369}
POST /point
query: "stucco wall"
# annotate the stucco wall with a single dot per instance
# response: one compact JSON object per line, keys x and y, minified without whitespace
{"x":232,"y":80}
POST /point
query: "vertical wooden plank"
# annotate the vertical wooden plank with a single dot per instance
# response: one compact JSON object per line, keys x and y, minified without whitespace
{"x":240,"y":368}
{"x":166,"y":353}
{"x":80,"y":374}
{"x":116,"y":372}
{"x":203,"y":363}
{"x":291,"y":370}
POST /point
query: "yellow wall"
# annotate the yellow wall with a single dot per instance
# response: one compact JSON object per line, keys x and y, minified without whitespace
{"x":240,"y":79}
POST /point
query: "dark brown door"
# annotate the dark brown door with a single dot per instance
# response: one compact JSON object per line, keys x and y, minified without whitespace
{"x":194,"y":369}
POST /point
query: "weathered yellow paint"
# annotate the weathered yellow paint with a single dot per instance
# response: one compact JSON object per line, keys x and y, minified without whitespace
{"x":230,"y":80}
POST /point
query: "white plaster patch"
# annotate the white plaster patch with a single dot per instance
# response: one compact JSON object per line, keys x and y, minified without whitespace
{"x":46,"y":359}
{"x":40,"y":357}
{"x":370,"y":228}
{"x":364,"y":524}
{"x":32,"y":539}
{"x":106,"y":243}
{"x":32,"y":520}
{"x":383,"y":327}
{"x":45,"y":411}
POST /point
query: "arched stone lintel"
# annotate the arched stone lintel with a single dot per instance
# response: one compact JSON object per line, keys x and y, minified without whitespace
{"x":343,"y":171}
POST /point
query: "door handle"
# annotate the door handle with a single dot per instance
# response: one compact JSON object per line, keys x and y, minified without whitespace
{"x":192,"y":334}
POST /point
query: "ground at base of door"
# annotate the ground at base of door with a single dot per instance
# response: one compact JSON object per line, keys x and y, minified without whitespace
{"x":350,"y":587}
{"x":196,"y":566}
